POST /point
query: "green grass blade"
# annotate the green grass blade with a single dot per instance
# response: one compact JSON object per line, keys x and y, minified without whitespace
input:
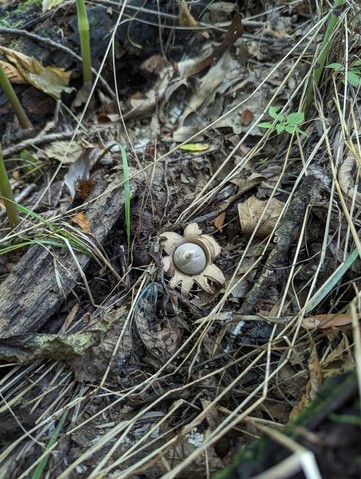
{"x":14,"y":100}
{"x":126,"y":195}
{"x":83,"y":25}
{"x":332,"y":281}
{"x":321,"y":60}
{"x":42,"y":464}
{"x":7,"y":194}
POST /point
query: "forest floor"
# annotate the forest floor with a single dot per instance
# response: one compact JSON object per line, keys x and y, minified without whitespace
{"x":205,"y":125}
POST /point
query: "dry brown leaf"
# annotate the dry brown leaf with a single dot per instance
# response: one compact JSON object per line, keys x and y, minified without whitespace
{"x":346,"y":177}
{"x":81,"y":220}
{"x":186,"y":19}
{"x":49,"y":4}
{"x":51,"y":80}
{"x":12,"y":73}
{"x":63,"y":150}
{"x":313,"y":384}
{"x":253,"y":209}
{"x":219,"y":221}
{"x":192,"y":67}
{"x":80,"y":169}
{"x":326,"y":321}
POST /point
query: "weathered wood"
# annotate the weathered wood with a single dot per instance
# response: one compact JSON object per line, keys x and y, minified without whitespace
{"x":32,"y":293}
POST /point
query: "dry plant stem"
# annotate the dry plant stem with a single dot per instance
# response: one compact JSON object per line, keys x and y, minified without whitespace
{"x":14,"y":100}
{"x":83,"y":25}
{"x":325,"y":47}
{"x":7,"y":194}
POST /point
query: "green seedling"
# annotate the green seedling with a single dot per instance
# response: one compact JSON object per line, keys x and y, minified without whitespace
{"x":14,"y":100}
{"x":7,"y":195}
{"x":126,"y":195}
{"x":352,"y":76}
{"x":289,"y":124}
{"x":83,"y":25}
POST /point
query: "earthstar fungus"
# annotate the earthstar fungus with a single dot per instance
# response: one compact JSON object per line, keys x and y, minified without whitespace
{"x":189,"y":259}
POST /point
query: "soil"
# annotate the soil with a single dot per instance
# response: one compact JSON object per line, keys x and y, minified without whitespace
{"x":114,"y":362}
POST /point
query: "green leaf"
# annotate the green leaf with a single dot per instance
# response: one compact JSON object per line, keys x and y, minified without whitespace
{"x":290,"y":129}
{"x":294,"y":119}
{"x":272,"y":111}
{"x":353,"y":77}
{"x":331,"y":281}
{"x":336,"y":66}
{"x":266,"y":124}
{"x":280,"y":128}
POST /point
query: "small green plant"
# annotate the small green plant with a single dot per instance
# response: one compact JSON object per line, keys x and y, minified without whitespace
{"x":83,"y":25}
{"x":288,"y":123}
{"x":126,"y":195}
{"x":352,"y":76}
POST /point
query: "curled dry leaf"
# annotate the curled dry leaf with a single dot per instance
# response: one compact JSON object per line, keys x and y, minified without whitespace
{"x":186,"y":19}
{"x":12,"y":73}
{"x":188,"y":257}
{"x":51,"y":80}
{"x":251,"y":211}
{"x":346,"y":177}
{"x":80,"y":169}
{"x":81,"y":220}
{"x":326,"y":321}
{"x":161,"y":338}
{"x":63,"y":150}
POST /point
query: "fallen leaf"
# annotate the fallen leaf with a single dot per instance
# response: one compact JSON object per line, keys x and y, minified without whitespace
{"x":219,"y":221}
{"x":346,"y":177}
{"x":154,"y":64}
{"x":80,"y":169}
{"x":51,"y":80}
{"x":313,"y":384}
{"x":49,"y":4}
{"x":192,"y":67}
{"x":253,"y":209}
{"x":65,"y":151}
{"x":186,"y":19}
{"x":194,"y":147}
{"x":81,"y":220}
{"x":12,"y":73}
{"x":326,"y":321}
{"x":207,"y":88}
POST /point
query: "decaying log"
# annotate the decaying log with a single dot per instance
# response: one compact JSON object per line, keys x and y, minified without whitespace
{"x":46,"y":275}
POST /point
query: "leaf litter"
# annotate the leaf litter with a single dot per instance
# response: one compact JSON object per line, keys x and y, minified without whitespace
{"x":175,"y":382}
